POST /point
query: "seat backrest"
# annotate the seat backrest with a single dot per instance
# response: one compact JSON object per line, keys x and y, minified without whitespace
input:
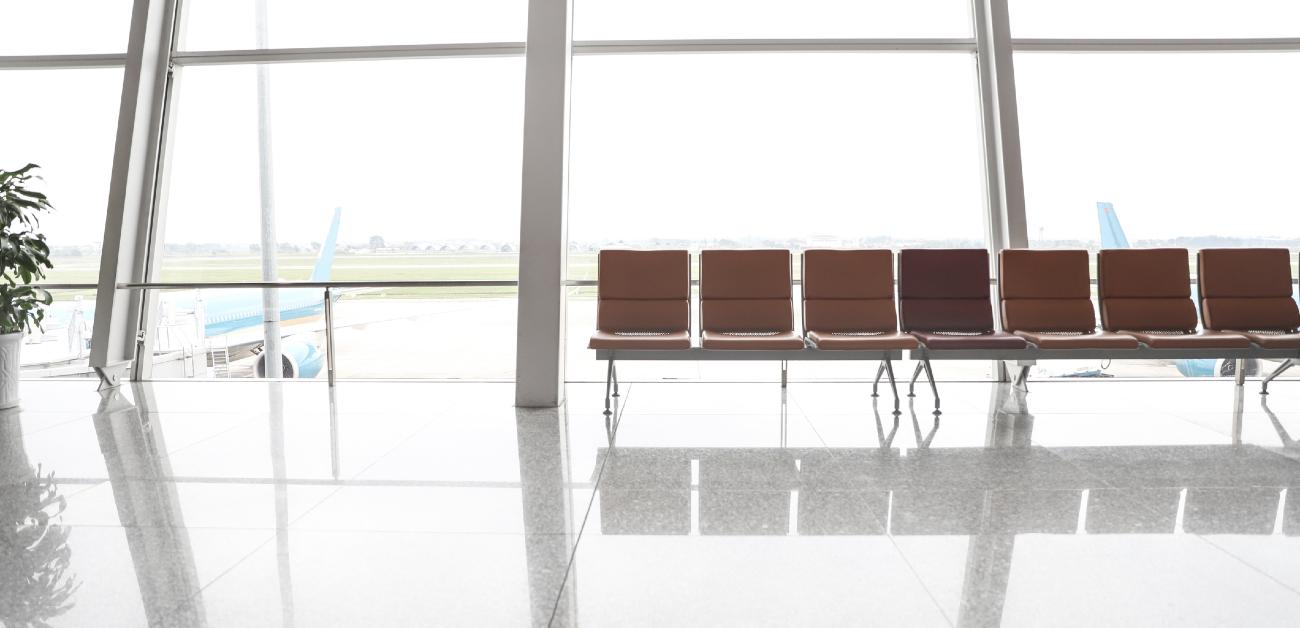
{"x":1145,"y":290}
{"x":1246,"y":290}
{"x":648,"y":291}
{"x":944,"y":290}
{"x":1045,"y":291}
{"x":746,"y":291}
{"x":848,"y":291}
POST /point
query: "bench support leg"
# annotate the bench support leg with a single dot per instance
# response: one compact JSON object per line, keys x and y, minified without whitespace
{"x":609,"y":379}
{"x":1022,"y":378}
{"x":784,"y":366}
{"x":911,"y":388}
{"x":876,"y":384}
{"x":889,"y":368}
{"x":934,"y":388}
{"x":1240,"y":372}
{"x":1272,"y":376}
{"x":613,"y":371}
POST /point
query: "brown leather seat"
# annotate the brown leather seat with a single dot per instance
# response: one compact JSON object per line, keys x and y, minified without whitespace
{"x":1147,"y":294}
{"x":848,"y":301}
{"x":643,"y":300}
{"x":746,"y":301}
{"x":943,"y":297}
{"x":1047,"y":299}
{"x":1248,"y":291}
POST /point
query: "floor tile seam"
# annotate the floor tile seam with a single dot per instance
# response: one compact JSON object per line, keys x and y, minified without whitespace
{"x":54,"y":426}
{"x":205,"y":586}
{"x":1248,"y":564}
{"x":792,"y":400}
{"x":388,"y":452}
{"x":893,"y":541}
{"x":591,"y":500}
{"x":183,"y":448}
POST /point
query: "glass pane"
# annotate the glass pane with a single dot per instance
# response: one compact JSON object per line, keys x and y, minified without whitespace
{"x":66,"y":123}
{"x":1192,"y":150}
{"x":62,"y":347}
{"x":774,"y":150}
{"x":232,"y":24}
{"x":422,"y":158}
{"x":1154,"y":18}
{"x":379,"y":334}
{"x":64,"y":27}
{"x":1188,"y":150}
{"x":719,"y":19}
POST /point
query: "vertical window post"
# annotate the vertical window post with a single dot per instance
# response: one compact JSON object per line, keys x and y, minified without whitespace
{"x":131,"y":191}
{"x":539,"y":361}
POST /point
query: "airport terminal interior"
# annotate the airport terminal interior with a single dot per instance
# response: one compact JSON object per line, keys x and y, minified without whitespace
{"x":649,"y":313}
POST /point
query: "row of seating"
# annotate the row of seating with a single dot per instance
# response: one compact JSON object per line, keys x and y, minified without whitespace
{"x":944,"y":303}
{"x":944,"y":300}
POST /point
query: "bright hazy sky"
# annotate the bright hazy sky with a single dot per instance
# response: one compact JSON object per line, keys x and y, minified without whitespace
{"x":683,"y":146}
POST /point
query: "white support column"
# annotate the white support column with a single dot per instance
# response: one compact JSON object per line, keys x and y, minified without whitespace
{"x":539,"y":361}
{"x":1001,"y":125}
{"x":132,"y":189}
{"x":1001,"y":121}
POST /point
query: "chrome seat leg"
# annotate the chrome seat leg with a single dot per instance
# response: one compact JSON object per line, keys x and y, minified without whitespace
{"x":889,"y":368}
{"x":609,"y":379}
{"x":875,"y":386}
{"x":1022,"y":379}
{"x":1278,"y":371}
{"x":934,"y":388}
{"x":911,"y":388}
{"x":613,"y":371}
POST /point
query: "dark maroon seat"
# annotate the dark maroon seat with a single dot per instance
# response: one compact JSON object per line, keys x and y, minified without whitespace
{"x":943,"y":297}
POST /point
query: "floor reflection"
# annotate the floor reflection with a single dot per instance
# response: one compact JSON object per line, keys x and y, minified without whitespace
{"x":561,"y":477}
{"x":36,"y":584}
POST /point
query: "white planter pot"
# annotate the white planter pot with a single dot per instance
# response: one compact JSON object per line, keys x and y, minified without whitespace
{"x":10,"y":365}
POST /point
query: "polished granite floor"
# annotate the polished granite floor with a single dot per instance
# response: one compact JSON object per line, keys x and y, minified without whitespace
{"x":243,"y":504}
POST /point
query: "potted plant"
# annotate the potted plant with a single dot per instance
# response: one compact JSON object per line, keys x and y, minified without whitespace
{"x":24,"y":258}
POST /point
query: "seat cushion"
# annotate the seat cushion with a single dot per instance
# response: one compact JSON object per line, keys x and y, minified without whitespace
{"x":991,"y":340}
{"x":1095,"y":340}
{"x":1197,"y":340}
{"x":751,"y":341}
{"x":832,"y":341}
{"x":668,"y":340}
{"x":1272,"y":341}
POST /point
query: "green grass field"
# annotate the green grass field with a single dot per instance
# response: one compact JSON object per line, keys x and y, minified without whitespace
{"x":399,"y":267}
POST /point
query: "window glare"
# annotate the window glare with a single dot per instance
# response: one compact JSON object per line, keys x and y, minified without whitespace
{"x":666,"y":19}
{"x":1154,"y":18}
{"x":1195,"y":146}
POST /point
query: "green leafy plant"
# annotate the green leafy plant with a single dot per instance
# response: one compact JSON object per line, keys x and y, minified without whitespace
{"x":24,"y":255}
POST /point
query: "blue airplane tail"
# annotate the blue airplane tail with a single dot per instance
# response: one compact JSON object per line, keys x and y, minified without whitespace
{"x":325,"y":262}
{"x":1112,"y":234}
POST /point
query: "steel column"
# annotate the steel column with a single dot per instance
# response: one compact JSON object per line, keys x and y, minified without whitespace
{"x":136,"y":156}
{"x":539,"y":358}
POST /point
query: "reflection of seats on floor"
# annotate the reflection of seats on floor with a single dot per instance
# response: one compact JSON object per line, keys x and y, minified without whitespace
{"x":1230,"y":489}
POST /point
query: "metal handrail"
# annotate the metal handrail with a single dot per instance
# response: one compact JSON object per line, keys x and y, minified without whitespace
{"x":191,"y":285}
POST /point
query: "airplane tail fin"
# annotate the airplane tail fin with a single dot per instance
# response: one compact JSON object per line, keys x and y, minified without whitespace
{"x":1112,"y":234}
{"x":325,"y":261}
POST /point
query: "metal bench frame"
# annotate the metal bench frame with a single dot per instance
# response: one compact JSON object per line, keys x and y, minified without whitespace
{"x":784,"y":356}
{"x":1022,"y":359}
{"x":1017,"y":360}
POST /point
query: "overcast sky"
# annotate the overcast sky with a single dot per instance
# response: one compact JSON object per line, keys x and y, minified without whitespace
{"x":683,"y":146}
